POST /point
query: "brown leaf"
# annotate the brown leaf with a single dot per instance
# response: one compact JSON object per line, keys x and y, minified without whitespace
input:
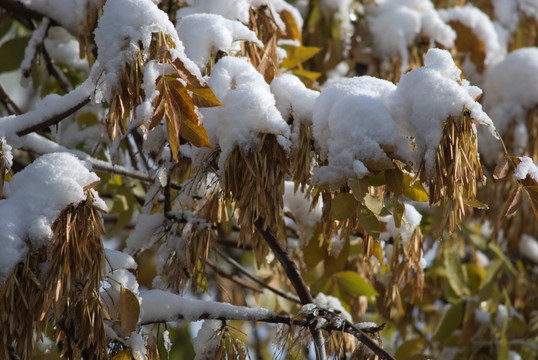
{"x":268,"y":64}
{"x":203,"y":96}
{"x":502,"y":169}
{"x":513,"y":203}
{"x":129,"y":310}
{"x":469,"y":42}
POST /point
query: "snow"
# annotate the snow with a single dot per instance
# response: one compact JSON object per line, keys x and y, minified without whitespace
{"x":481,"y":26}
{"x":505,"y":12}
{"x":510,"y":91}
{"x":426,"y":97}
{"x":410,"y":222}
{"x":528,"y":247}
{"x":206,"y":341}
{"x":204,"y":34}
{"x":138,"y":346}
{"x":119,"y":45}
{"x":230,"y":9}
{"x":118,"y":260}
{"x":249,"y":108}
{"x":144,"y":111}
{"x":293,"y":97}
{"x":158,"y":305}
{"x":333,"y":304}
{"x":306,"y":218}
{"x":50,"y":106}
{"x":71,"y":14}
{"x":352,"y":128}
{"x":64,"y":49}
{"x":37,"y":195}
{"x":7,"y":155}
{"x":529,"y":7}
{"x":357,"y":121}
{"x":240,"y":9}
{"x":526,"y":168}
{"x":146,"y":226}
{"x":395,"y":25}
{"x":35,"y":40}
{"x":167,"y":342}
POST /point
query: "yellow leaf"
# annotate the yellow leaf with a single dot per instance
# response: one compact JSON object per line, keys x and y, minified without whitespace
{"x":129,"y":310}
{"x":305,"y":74}
{"x":298,"y":54}
{"x":292,"y":29}
{"x":122,"y":355}
{"x":414,"y":190}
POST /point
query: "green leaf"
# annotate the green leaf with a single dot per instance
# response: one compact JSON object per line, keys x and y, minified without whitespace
{"x":411,"y":348}
{"x":12,"y":53}
{"x":395,"y":182}
{"x":374,"y":205}
{"x":450,"y":321}
{"x":491,"y":274}
{"x":343,"y":206}
{"x":368,"y":221}
{"x":503,"y":350}
{"x":315,"y":250}
{"x":336,"y":263}
{"x":354,"y":284}
{"x":454,"y":273}
{"x":398,"y":210}
{"x":500,"y":254}
{"x":377,"y":179}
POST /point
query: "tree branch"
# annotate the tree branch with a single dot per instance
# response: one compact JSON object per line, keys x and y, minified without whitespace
{"x":8,"y":103}
{"x":54,"y":119}
{"x":304,"y":293}
{"x":286,"y":261}
{"x":180,"y":308}
{"x":295,"y":278}
{"x":17,"y":8}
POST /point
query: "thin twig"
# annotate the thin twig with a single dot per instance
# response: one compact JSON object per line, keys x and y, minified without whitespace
{"x":233,"y":278}
{"x":245,"y":272}
{"x":9,"y":104}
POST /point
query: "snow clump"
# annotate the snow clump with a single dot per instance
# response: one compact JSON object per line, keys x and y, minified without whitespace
{"x":353,"y":128}
{"x":510,"y":91}
{"x":204,"y":34}
{"x":358,"y":122}
{"x":37,"y":195}
{"x":528,"y":247}
{"x":526,"y":168}
{"x":426,"y":97}
{"x":394,"y":26}
{"x":249,"y":109}
{"x":118,"y":45}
